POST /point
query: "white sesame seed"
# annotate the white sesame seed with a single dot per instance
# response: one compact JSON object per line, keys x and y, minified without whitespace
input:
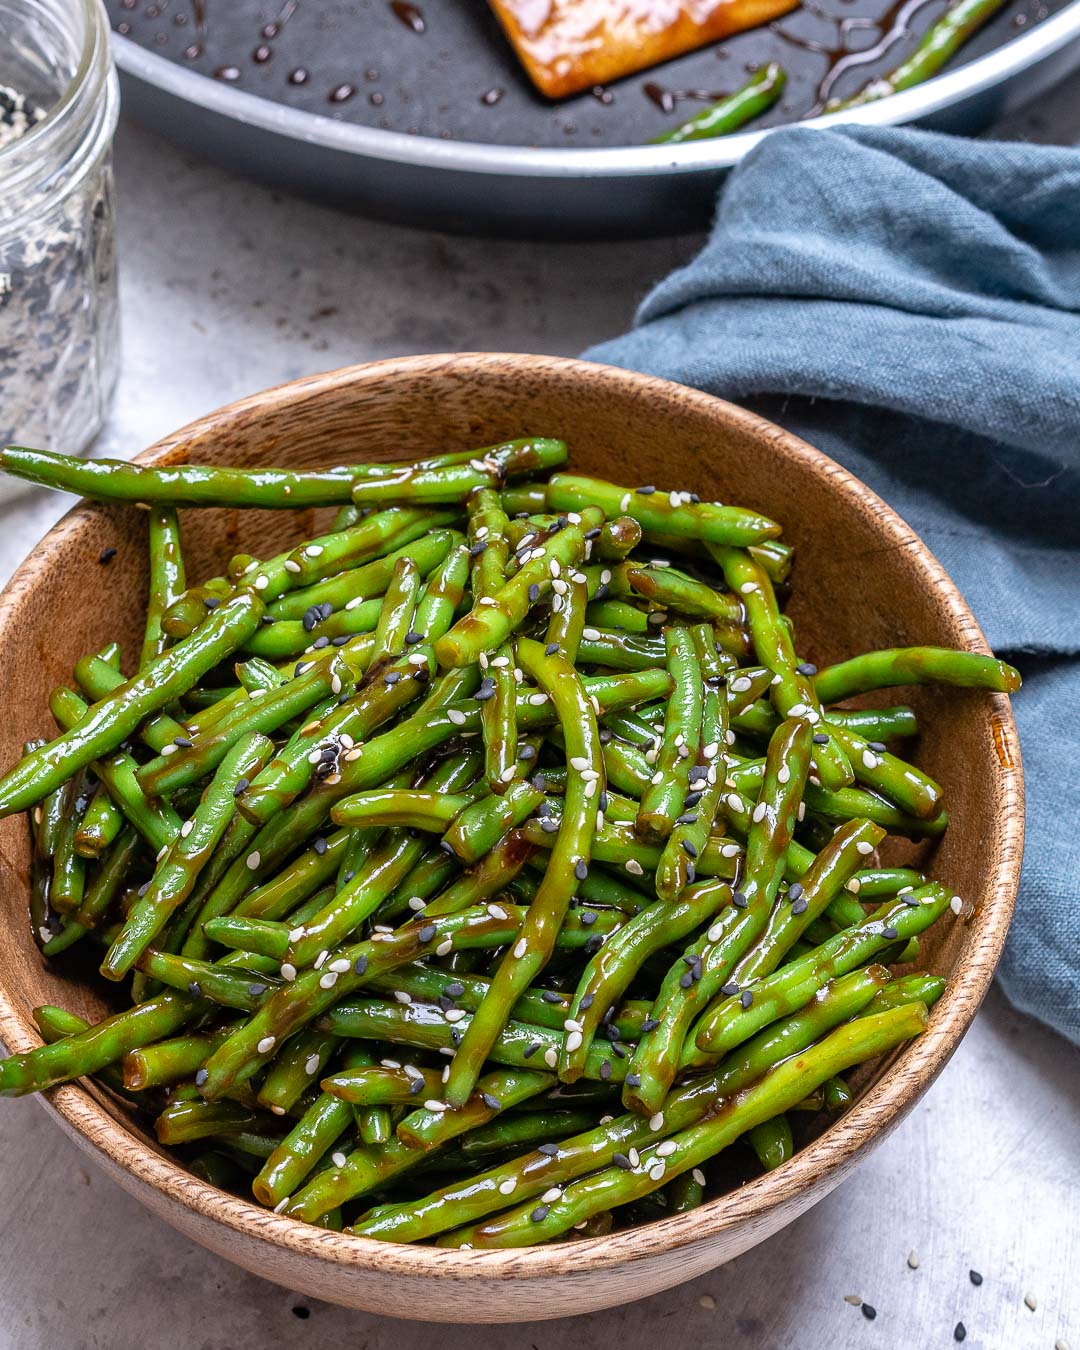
{"x":574,"y":1042}
{"x":590,"y":788}
{"x":802,"y":811}
{"x":699,"y":1176}
{"x":261,"y":582}
{"x":445,"y":947}
{"x":254,"y":859}
{"x":276,"y":1110}
{"x":488,"y":600}
{"x":311,"y":1065}
{"x":741,"y":685}
{"x":579,"y":762}
{"x":864,"y":846}
{"x":320,"y":959}
{"x":716,"y":932}
{"x":328,"y":980}
{"x":730,"y":850}
{"x":432,"y":1104}
{"x":282,"y":1203}
{"x":508,"y":774}
{"x":956,"y":905}
{"x":169,"y":749}
{"x":913,"y":1259}
{"x":508,"y":1187}
{"x":1031,"y":1301}
{"x":291,"y":565}
{"x":759,"y":812}
{"x":454,"y":1014}
{"x":797,"y":710}
{"x":520,"y":948}
{"x":341,"y":965}
{"x":656,"y":1122}
{"x":456,"y":716}
{"x":538,"y":699}
{"x":550,"y":1196}
{"x":335,"y":683}
{"x":266,"y":1045}
{"x":657,"y":1171}
{"x":634,"y":867}
{"x":288,"y":971}
{"x":748,"y":587}
{"x":783,"y":774}
{"x":711,"y":750}
{"x":854,"y":885}
{"x":624,"y":501}
{"x":402,"y":996}
{"x":186,"y":828}
{"x":869,"y":759}
{"x":706,"y":1301}
{"x":551,"y":1058}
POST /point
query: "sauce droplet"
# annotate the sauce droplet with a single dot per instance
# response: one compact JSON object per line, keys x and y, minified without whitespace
{"x":491,"y":96}
{"x":227,"y":73}
{"x":602,"y":95}
{"x":409,"y":15}
{"x":262,"y":54}
{"x":193,"y":52}
{"x":663,"y":98}
{"x":342,"y":93}
{"x":376,"y":99}
{"x":298,"y":76}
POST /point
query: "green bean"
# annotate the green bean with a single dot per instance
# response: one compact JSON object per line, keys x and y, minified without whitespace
{"x":383,"y":1085}
{"x":686,"y":1192}
{"x":69,"y":868}
{"x":793,"y":695}
{"x":674,"y":514}
{"x":167,"y":581}
{"x":157,"y":823}
{"x":680,"y":744}
{"x":734,"y":1019}
{"x":169,"y":1061}
{"x":184,"y":1122}
{"x":712,"y":957}
{"x":610,"y":972}
{"x":479,"y":825}
{"x":430,"y":811}
{"x":112,"y":719}
{"x":96,"y":678}
{"x":487,"y":468}
{"x":691,"y":830}
{"x":756,"y":96}
{"x":780,"y":1089}
{"x":675,"y":590}
{"x":257,"y":676}
{"x":489,"y":549}
{"x":941,"y":41}
{"x":106,"y":886}
{"x":178,"y":872}
{"x":771,"y":1141}
{"x":882,"y":724}
{"x":101,"y":822}
{"x":488,"y":625}
{"x":914,"y":665}
{"x":874,"y":767}
{"x":567,"y":864}
{"x":112,"y":480}
{"x":522,"y":1131}
{"x":301,"y":1062}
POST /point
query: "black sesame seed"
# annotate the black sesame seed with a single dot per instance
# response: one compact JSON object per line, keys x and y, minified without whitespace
{"x":300,"y":1311}
{"x":868,"y":1312}
{"x":975,"y":1278}
{"x":552,"y":996}
{"x":195,"y":988}
{"x":879,"y":746}
{"x":426,"y":933}
{"x":621,"y":1160}
{"x":455,"y":989}
{"x":806,"y":668}
{"x":456,"y":1035}
{"x":340,"y":641}
{"x":686,"y":980}
{"x":416,"y":1085}
{"x":633,"y":1080}
{"x":605,"y":1069}
{"x":321,"y":642}
{"x":617,"y":1050}
{"x":581,"y":869}
{"x":267,"y":618}
{"x":692,"y":798}
{"x":746,"y":998}
{"x":730,"y":989}
{"x":360,"y":965}
{"x":309,"y":620}
{"x":211,"y":601}
{"x":446,"y":1004}
{"x":478,"y":548}
{"x":320,"y":846}
{"x":959,"y":1332}
{"x":890,"y":932}
{"x":392,"y":676}
{"x":650,"y":1024}
{"x":143,"y":888}
{"x":534,"y":593}
{"x":602,"y":802}
{"x":551,"y":648}
{"x":106,"y":556}
{"x":548,"y":825}
{"x":794,"y":891}
{"x":242,"y":785}
{"x":201,"y":1076}
{"x":605,"y":736}
{"x":183,"y":742}
{"x":821,"y":739}
{"x":800,"y":906}
{"x":588,"y":917}
{"x":586,"y":1002}
{"x":548,"y":1150}
{"x":739,"y":900}
{"x":256,"y":989}
{"x":348,"y":876}
{"x":447,"y":847}
{"x":646,"y":491}
{"x":540,"y":1213}
{"x":531,"y":1049}
{"x":593,"y":945}
{"x":521,"y":515}
{"x":527,"y":752}
{"x":690,"y":819}
{"x":490,"y":1101}
{"x":412,"y":638}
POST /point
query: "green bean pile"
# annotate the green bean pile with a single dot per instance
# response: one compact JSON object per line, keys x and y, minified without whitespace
{"x":479,"y":875}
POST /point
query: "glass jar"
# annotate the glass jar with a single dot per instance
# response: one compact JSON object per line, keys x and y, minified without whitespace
{"x":59,"y":318}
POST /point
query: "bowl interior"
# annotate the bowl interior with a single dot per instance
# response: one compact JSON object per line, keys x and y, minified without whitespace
{"x":862,"y":581}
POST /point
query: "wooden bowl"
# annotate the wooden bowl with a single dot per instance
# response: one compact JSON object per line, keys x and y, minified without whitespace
{"x":863,"y":581}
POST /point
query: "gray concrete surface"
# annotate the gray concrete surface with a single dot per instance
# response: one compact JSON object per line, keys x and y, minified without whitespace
{"x":227,"y":288}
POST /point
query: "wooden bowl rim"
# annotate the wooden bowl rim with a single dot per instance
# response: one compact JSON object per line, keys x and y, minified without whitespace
{"x":875,"y":1113}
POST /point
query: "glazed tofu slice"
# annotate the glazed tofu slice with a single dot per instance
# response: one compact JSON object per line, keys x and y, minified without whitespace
{"x":570,"y":45}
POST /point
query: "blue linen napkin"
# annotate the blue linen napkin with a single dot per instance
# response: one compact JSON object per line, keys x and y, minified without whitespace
{"x":910,"y":303}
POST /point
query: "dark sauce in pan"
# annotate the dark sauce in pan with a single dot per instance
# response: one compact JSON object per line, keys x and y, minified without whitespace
{"x":830,"y":48}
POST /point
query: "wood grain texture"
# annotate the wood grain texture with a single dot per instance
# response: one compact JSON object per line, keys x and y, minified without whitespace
{"x":864,"y":580}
